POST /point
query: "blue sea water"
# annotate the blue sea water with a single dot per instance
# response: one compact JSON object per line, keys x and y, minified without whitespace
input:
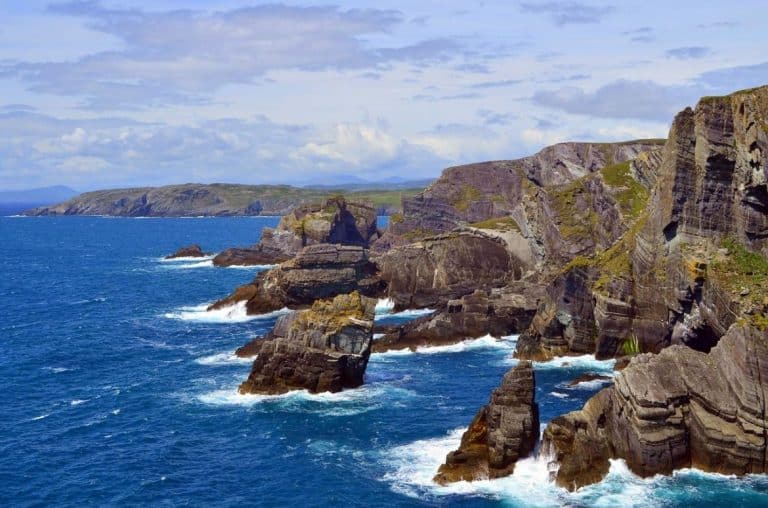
{"x":119,"y":389}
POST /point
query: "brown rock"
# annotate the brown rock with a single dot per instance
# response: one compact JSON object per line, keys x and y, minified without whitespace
{"x":190,"y":251}
{"x":324,"y":348}
{"x":502,"y":432}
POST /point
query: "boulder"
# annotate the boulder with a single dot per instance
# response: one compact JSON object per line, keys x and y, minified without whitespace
{"x":501,"y":433}
{"x":321,"y":349}
{"x":190,"y":251}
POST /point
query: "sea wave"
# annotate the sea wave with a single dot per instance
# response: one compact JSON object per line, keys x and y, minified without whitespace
{"x":413,"y":465}
{"x":226,"y":358}
{"x":235,"y":313}
{"x":482,"y":343}
{"x":385,"y":306}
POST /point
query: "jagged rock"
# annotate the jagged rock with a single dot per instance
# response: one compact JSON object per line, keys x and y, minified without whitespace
{"x":680,"y":408}
{"x":589,"y":376}
{"x":335,"y":220}
{"x":430,"y":272}
{"x":501,"y":433}
{"x":318,"y":271}
{"x":554,"y":200}
{"x":321,"y":349}
{"x":496,"y":312}
{"x":671,"y":278}
{"x":190,"y":251}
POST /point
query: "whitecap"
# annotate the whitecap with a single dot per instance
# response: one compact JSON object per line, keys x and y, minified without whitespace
{"x":41,"y":417}
{"x":559,"y":395}
{"x":186,"y":259}
{"x":116,"y":412}
{"x":227,"y":358}
{"x":592,"y":384}
{"x":57,"y":370}
{"x":190,"y":266}
{"x":410,"y":313}
{"x":385,"y":306}
{"x":77,"y":402}
{"x":235,"y":313}
{"x":486,"y":342}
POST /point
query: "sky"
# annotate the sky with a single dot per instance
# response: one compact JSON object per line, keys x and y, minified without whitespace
{"x":118,"y":93}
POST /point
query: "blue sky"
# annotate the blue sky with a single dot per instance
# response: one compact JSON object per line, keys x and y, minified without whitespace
{"x":99,"y":94}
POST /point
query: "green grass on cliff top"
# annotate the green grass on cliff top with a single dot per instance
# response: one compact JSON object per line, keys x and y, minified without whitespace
{"x":631,"y":196}
{"x":742,"y":270}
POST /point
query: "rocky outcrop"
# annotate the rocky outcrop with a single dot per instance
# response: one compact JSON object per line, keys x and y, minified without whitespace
{"x":430,"y":272}
{"x":502,"y":432}
{"x":335,"y":220}
{"x":537,"y":196}
{"x":317,"y":272}
{"x":495,"y":312}
{"x":193,"y":200}
{"x":321,"y":349}
{"x":190,"y":251}
{"x":692,"y":264}
{"x":680,"y":408}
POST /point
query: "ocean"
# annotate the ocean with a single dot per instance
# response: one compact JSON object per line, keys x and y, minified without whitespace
{"x":119,"y":389}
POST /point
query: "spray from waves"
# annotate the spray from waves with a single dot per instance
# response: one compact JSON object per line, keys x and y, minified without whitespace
{"x":412,"y":467}
{"x":345,"y":403}
{"x":385,"y":306}
{"x":410,"y":313}
{"x":227,"y":358}
{"x":190,"y":266}
{"x":581,"y":363}
{"x":590,"y":385}
{"x":486,"y":342}
{"x":235,"y":313}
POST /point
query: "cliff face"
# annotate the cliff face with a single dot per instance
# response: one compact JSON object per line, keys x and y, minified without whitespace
{"x":333,"y":221}
{"x":321,"y":349}
{"x":556,"y":201}
{"x":692,"y":263}
{"x":503,"y":431}
{"x":679,"y":408}
{"x":691,"y":274}
{"x":212,"y":200}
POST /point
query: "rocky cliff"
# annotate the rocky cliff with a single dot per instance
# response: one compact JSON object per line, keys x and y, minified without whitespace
{"x":503,"y":431}
{"x":321,"y":349}
{"x":192,"y":200}
{"x":334,"y":221}
{"x":691,"y":275}
{"x":317,"y":272}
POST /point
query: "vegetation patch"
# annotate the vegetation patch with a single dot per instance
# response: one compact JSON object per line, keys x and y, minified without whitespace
{"x":744,"y":273}
{"x":574,"y":223}
{"x":467,"y":196}
{"x":498,"y":223}
{"x":630,"y":346}
{"x":630,"y":195}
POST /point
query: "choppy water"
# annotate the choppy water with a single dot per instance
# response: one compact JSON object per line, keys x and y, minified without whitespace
{"x":118,"y":388}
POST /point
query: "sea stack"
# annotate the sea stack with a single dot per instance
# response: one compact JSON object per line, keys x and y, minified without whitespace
{"x":501,"y":433}
{"x":321,"y":349}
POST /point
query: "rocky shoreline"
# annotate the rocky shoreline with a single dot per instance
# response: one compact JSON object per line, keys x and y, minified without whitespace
{"x":650,"y":251}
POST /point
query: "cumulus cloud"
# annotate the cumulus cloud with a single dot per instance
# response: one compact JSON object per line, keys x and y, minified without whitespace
{"x":568,"y":13}
{"x":181,"y":56}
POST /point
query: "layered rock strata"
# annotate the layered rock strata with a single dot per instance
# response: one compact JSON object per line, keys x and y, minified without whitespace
{"x":502,"y":432}
{"x":321,"y":349}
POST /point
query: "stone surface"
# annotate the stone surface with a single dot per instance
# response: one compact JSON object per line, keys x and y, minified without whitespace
{"x":321,"y":349}
{"x":496,"y":312}
{"x":190,"y":251}
{"x":430,"y":272}
{"x":501,"y":433}
{"x":679,"y":408}
{"x":334,"y":220}
{"x":317,"y":272}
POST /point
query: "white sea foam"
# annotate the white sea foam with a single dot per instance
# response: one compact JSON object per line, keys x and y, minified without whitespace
{"x":77,"y":402}
{"x":483,"y":343}
{"x":186,"y":259}
{"x":410,"y":313}
{"x":582,"y":362}
{"x":385,"y":306}
{"x":41,"y":417}
{"x":227,"y":358}
{"x":235,"y":313}
{"x":191,"y":266}
{"x":593,"y":384}
{"x":377,"y":336}
{"x":559,"y":395}
{"x":57,"y":370}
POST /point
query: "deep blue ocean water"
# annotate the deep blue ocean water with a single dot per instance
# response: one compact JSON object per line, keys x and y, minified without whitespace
{"x":118,"y":389}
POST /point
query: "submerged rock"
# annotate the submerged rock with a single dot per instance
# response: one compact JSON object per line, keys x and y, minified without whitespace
{"x":501,"y":433}
{"x":321,"y":349}
{"x":681,"y":408}
{"x":190,"y":251}
{"x":335,"y":221}
{"x":318,"y":271}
